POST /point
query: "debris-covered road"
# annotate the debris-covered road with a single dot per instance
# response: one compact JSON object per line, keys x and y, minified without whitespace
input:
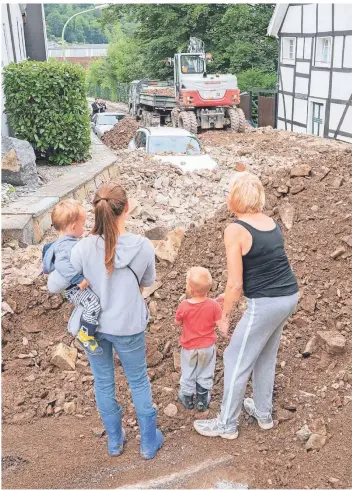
{"x":50,"y":422}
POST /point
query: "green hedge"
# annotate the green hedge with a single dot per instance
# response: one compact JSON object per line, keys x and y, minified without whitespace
{"x":46,"y":105}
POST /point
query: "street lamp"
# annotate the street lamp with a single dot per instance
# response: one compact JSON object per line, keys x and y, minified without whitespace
{"x":78,"y":13}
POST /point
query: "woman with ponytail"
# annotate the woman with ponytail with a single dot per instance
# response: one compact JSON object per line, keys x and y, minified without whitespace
{"x":117,"y":264}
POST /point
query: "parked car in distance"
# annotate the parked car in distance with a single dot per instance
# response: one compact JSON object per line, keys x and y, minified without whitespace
{"x":104,"y":121}
{"x":184,"y":147}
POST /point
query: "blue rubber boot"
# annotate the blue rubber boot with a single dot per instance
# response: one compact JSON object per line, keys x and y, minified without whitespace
{"x":115,"y":432}
{"x":151,"y":437}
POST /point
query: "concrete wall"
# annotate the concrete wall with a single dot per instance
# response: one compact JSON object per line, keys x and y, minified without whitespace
{"x":305,"y":79}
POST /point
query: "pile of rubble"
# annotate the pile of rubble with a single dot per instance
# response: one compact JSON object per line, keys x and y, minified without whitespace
{"x":121,"y":134}
{"x":308,"y":188}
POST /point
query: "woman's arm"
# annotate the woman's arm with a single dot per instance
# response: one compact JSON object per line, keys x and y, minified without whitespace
{"x":234,"y":284}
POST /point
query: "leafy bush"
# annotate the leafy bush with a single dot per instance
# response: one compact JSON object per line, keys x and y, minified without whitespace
{"x":46,"y":105}
{"x":256,"y":78}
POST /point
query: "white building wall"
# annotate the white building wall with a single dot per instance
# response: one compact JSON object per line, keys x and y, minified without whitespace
{"x":324,"y":17}
{"x":309,"y":18}
{"x":12,"y":46}
{"x":347,"y":59}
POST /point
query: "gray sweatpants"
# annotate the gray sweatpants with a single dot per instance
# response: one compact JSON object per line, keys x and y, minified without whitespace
{"x":197,"y":366}
{"x":253,"y":350}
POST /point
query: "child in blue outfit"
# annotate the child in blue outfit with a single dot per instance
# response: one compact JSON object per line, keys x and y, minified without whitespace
{"x":68,"y":218}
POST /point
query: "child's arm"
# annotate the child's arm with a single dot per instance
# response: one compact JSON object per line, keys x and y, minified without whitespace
{"x":179,"y":316}
{"x":178,"y":323}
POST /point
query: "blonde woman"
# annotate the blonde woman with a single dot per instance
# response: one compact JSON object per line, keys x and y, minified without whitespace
{"x":257,"y":264}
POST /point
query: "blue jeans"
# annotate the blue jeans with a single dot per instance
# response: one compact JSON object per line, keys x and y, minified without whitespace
{"x":131,"y":352}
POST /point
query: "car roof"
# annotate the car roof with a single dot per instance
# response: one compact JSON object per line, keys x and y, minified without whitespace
{"x":111,"y":114}
{"x":166,"y":131}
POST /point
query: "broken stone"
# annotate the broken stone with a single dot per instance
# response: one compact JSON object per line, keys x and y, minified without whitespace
{"x":150,"y":290}
{"x":177,"y":360}
{"x":166,"y":348}
{"x":64,"y":357}
{"x":310,"y":347}
{"x":338,"y":252}
{"x":316,"y":441}
{"x":308,"y":303}
{"x":297,"y":188}
{"x":347,"y":240}
{"x":287,"y":213}
{"x":167,"y":249}
{"x":70,"y":408}
{"x":155,"y":327}
{"x":284,"y":415}
{"x":170,"y":410}
{"x":153,"y":308}
{"x":304,"y":433}
{"x":337,"y":183}
{"x":18,"y":162}
{"x":333,"y":341}
{"x":98,"y":431}
{"x":301,"y":170}
{"x":154,"y":357}
{"x":157,"y":233}
{"x":6,"y":308}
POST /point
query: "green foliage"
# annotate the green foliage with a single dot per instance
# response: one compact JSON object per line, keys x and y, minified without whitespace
{"x":84,"y":28}
{"x":255,"y":78}
{"x":46,"y":105}
{"x":234,"y":33}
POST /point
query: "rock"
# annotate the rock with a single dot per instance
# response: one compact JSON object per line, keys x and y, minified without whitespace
{"x":151,"y":289}
{"x":283,"y":189}
{"x":70,"y":408}
{"x":98,"y":431}
{"x":287,"y":213}
{"x":347,"y":240}
{"x":301,"y":170}
{"x":157,"y":233}
{"x":304,"y":433}
{"x":337,"y":183}
{"x":167,"y":249}
{"x":332,"y":341}
{"x":134,"y":208}
{"x":175,"y":202}
{"x":170,"y":410}
{"x":201,"y":415}
{"x":297,"y":188}
{"x":308,"y":303}
{"x":153,"y":308}
{"x":177,"y":360}
{"x":338,"y":252}
{"x":310,"y":347}
{"x":155,"y":327}
{"x":18,"y":162}
{"x":154,"y":357}
{"x":166,"y":348}
{"x":64,"y":357}
{"x":334,"y":482}
{"x":6,"y":308}
{"x":49,"y":410}
{"x":316,"y":441}
{"x":318,"y":426}
{"x":284,"y":415}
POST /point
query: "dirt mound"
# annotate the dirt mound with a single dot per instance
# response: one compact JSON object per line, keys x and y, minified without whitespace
{"x":121,"y":134}
{"x":311,"y":198}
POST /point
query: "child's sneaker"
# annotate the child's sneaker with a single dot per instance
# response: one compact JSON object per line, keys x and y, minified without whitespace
{"x":88,"y":342}
{"x":264,"y":421}
{"x":186,"y":400}
{"x":203,"y":398}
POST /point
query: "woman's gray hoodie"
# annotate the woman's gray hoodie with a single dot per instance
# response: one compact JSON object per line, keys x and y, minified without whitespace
{"x":123,"y":309}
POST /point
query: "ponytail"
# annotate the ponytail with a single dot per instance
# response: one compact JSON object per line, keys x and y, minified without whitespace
{"x":109,"y":203}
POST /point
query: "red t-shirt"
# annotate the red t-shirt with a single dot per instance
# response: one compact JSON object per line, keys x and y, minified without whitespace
{"x":198,"y":320}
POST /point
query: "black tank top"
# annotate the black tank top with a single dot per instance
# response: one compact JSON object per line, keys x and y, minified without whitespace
{"x":266,"y":270}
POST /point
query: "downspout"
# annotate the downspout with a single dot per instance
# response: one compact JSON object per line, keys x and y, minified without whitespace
{"x":11,"y":33}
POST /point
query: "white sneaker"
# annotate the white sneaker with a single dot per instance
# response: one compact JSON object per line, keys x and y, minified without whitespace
{"x":215,"y":428}
{"x":265,"y":422}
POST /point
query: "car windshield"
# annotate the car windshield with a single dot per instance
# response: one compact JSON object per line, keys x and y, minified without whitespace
{"x":175,"y":144}
{"x":192,"y":64}
{"x":109,"y":119}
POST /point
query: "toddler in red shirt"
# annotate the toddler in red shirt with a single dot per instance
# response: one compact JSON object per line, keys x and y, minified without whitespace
{"x":198,"y":316}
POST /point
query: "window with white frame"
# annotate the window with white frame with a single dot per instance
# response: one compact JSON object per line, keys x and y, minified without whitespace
{"x":323,"y":50}
{"x":289,"y":48}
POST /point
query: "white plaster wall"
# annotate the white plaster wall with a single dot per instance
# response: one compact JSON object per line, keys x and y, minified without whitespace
{"x":302,"y":67}
{"x":347,"y":59}
{"x":347,"y":122}
{"x":344,"y":138}
{"x":292,"y":21}
{"x":324,"y":17}
{"x":280,"y":124}
{"x":309,"y":18}
{"x":299,"y":129}
{"x":288,"y":102}
{"x":341,"y":85}
{"x":319,"y":86}
{"x":336,"y":111}
{"x":343,"y":17}
{"x":300,"y":47}
{"x":337,"y":62}
{"x":280,"y":110}
{"x":308,"y":48}
{"x":301,"y":85}
{"x":287,"y":78}
{"x":16,"y":19}
{"x":300,"y":111}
